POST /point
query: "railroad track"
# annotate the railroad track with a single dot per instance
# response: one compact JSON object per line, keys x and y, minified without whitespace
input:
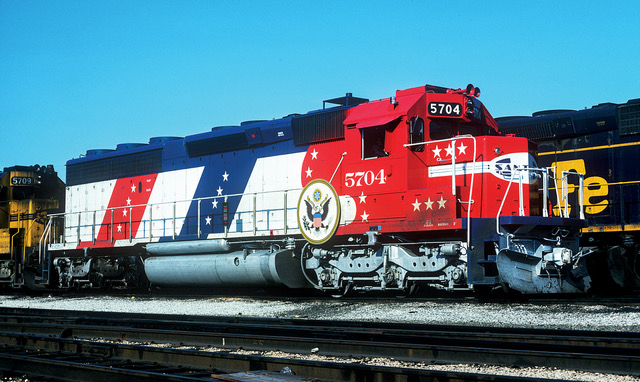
{"x":69,"y":334}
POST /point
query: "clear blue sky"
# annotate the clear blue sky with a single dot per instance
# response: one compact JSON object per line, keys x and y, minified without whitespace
{"x":86,"y":74}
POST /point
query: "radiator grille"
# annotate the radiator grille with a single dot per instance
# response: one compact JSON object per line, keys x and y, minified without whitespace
{"x":629,"y":118}
{"x":318,"y":127}
{"x":148,"y":162}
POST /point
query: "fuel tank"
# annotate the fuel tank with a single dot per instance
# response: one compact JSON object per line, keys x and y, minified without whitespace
{"x":261,"y":268}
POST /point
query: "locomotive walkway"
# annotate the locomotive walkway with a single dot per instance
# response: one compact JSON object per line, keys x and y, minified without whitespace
{"x":62,"y":341}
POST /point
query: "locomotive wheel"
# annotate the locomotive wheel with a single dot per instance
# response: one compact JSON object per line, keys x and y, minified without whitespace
{"x":344,"y":292}
{"x":413,"y":289}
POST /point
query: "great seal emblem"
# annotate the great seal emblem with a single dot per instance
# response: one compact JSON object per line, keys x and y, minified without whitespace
{"x":318,"y":211}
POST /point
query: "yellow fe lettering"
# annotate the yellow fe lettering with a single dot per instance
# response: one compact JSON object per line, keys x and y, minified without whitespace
{"x":595,"y":187}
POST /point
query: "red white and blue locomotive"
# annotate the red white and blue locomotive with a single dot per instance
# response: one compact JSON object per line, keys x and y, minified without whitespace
{"x":415,"y":189}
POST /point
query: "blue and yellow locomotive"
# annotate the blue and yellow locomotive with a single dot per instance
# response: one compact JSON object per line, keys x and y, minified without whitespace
{"x":603,"y":143}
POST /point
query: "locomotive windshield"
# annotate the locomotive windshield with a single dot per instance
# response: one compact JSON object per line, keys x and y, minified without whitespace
{"x":444,"y":129}
{"x":441,"y":129}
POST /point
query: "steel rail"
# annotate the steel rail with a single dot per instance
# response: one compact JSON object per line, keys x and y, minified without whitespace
{"x":616,"y":352}
{"x":319,"y":328}
{"x":69,"y":359}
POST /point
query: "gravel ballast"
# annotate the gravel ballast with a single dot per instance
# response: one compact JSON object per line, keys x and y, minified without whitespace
{"x":561,"y":315}
{"x":617,"y":317}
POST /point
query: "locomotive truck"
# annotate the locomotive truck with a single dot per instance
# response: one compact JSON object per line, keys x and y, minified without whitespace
{"x":419,"y":188}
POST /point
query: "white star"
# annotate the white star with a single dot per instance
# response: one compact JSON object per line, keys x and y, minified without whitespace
{"x":436,"y":152}
{"x":133,"y":188}
{"x":219,"y":191}
{"x":119,"y":228}
{"x":124,"y":212}
{"x":450,"y":150}
{"x":128,"y":201}
{"x":207,"y":220}
{"x":441,"y":202}
{"x":462,"y":148}
{"x":364,"y":216}
{"x":215,"y":203}
{"x":225,"y":177}
{"x":363,"y":198}
{"x":429,"y":204}
{"x":314,"y":154}
{"x":416,"y":205}
{"x":309,"y":171}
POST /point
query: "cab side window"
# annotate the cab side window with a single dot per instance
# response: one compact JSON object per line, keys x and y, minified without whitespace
{"x":373,"y":142}
{"x":416,"y":133}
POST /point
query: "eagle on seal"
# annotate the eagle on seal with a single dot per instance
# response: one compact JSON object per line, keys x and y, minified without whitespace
{"x":317,"y":212}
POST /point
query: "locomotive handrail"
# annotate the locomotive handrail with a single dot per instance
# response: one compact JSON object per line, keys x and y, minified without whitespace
{"x":544,"y":173}
{"x":439,"y":140}
{"x":45,"y":234}
{"x":453,"y":170}
{"x":174,"y":201}
{"x":565,"y":192}
{"x":563,"y":202}
{"x":173,"y":215}
{"x":545,"y":193}
{"x":338,"y":166}
{"x":453,"y":156}
{"x":473,"y":174}
{"x":13,"y":236}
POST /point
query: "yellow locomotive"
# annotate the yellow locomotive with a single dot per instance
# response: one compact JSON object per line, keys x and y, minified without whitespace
{"x":28,"y":194}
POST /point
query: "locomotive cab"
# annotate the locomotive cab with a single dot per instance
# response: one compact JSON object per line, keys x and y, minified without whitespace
{"x":428,"y":141}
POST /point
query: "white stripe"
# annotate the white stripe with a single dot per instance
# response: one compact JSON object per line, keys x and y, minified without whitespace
{"x":269,"y":178}
{"x":504,"y":167}
{"x":461,"y":169}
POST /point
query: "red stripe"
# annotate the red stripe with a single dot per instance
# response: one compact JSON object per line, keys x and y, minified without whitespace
{"x":127,"y":193}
